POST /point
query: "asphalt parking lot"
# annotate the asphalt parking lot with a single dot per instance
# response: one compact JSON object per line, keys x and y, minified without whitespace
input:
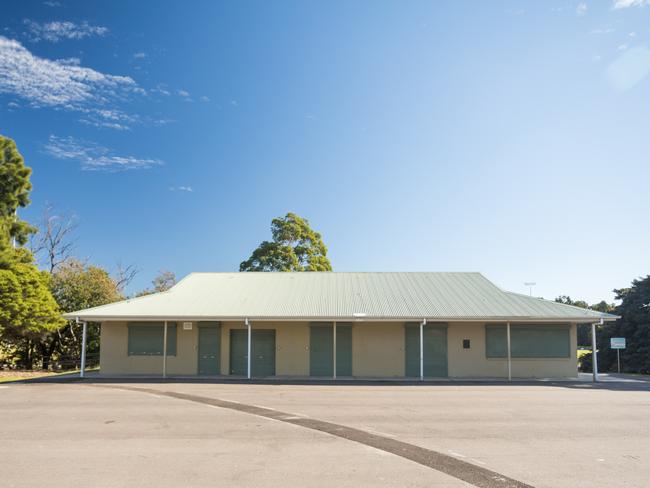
{"x":253,"y":435}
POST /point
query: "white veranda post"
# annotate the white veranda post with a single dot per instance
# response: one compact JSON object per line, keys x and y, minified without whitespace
{"x":164,"y":367}
{"x":248,"y":364}
{"x":594,"y":351}
{"x":422,"y":324}
{"x":509,"y":351}
{"x":84,"y":334}
{"x":334,"y":350}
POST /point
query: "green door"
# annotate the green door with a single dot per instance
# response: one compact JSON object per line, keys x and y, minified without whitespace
{"x":238,"y":352}
{"x":209,"y":349}
{"x":263,"y":363}
{"x":263,"y":352}
{"x":343,"y":350}
{"x":321,"y":350}
{"x":435,"y":350}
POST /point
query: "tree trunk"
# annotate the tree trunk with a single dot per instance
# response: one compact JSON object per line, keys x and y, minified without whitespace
{"x":29,"y":356}
{"x":47,"y":350}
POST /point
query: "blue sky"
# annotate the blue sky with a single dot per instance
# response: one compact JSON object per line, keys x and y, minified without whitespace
{"x":509,"y":138}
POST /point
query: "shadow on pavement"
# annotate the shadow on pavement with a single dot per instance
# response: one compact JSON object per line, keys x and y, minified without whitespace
{"x":611,"y":382}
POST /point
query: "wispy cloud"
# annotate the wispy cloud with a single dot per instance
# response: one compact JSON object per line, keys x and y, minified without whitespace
{"x":140,"y":55}
{"x":51,"y":3}
{"x":94,"y":157}
{"x":187,"y":189}
{"x":608,"y":30}
{"x":184,"y":93}
{"x":62,"y":30}
{"x":581,"y":9}
{"x":618,"y":4}
{"x":631,"y":67}
{"x":161,"y":89}
{"x":204,"y":99}
{"x":63,"y":84}
{"x":69,"y":61}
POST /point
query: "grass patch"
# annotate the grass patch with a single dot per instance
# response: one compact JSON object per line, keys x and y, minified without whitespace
{"x":582,"y":352}
{"x":10,"y":376}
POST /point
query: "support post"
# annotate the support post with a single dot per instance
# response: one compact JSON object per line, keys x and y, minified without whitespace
{"x":248,"y":365}
{"x":509,"y":352}
{"x":618,"y":360}
{"x":84,"y":334}
{"x":334,"y":350}
{"x":422,"y":324}
{"x":594,"y":353}
{"x":164,"y":372}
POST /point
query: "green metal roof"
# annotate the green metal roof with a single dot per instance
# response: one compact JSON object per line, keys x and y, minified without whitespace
{"x":337,"y":296}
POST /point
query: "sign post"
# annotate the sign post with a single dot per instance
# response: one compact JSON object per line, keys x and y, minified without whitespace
{"x":617,"y":343}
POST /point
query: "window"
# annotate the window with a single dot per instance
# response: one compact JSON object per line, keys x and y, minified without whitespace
{"x":147,"y":338}
{"x":528,"y":341}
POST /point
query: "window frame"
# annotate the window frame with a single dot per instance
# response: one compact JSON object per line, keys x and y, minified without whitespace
{"x":515,"y":329}
{"x":158,"y":327}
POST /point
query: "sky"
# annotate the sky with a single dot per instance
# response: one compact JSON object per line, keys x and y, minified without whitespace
{"x":509,"y":138}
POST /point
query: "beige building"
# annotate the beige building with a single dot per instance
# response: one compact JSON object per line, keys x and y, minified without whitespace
{"x":339,"y":325}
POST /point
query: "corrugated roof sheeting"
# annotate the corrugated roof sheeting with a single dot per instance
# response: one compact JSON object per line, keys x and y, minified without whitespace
{"x":337,"y":295}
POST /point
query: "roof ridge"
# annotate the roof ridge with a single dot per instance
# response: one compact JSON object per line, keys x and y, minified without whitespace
{"x":284,"y":273}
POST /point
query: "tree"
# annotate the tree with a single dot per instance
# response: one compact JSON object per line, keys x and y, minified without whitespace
{"x":124,"y":274}
{"x":295,"y":247}
{"x":14,"y":190}
{"x":634,"y":325}
{"x":76,"y":286}
{"x":584,"y":330}
{"x":568,"y":301}
{"x":55,"y":238}
{"x":163,"y":282}
{"x":28,"y":312}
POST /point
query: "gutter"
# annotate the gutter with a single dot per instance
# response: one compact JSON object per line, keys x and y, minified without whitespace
{"x":199,"y":318}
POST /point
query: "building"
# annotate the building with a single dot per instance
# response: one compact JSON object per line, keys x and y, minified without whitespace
{"x":339,"y":325}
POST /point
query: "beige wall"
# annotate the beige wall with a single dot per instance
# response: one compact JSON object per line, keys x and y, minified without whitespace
{"x":377,"y":351}
{"x":473,"y":362}
{"x":291,"y":346}
{"x":114,"y":358}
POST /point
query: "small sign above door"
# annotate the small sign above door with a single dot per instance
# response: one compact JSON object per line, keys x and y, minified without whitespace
{"x":187,"y":325}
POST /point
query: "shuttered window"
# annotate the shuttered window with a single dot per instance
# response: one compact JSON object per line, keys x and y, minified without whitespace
{"x":528,"y":341}
{"x":147,"y":339}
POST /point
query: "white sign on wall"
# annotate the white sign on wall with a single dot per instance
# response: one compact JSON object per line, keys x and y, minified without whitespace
{"x":187,"y":325}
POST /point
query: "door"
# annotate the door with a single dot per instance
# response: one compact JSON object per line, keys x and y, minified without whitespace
{"x":262,"y":349}
{"x":238,"y":352}
{"x":343,"y":350}
{"x":321,"y":350}
{"x":209,"y":349}
{"x":435,"y":350}
{"x":263,"y":363}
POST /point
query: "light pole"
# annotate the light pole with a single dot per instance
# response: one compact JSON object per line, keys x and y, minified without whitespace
{"x":530,"y":285}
